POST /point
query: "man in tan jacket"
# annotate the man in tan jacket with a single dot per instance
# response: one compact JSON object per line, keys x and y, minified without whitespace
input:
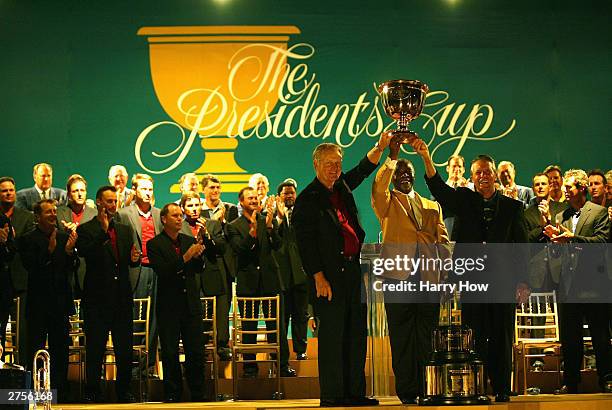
{"x":413,"y":230}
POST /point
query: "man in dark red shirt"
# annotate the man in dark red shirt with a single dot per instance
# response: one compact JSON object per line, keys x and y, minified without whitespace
{"x":329,"y":239}
{"x":109,"y":249}
{"x":145,"y":221}
{"x":70,"y":216}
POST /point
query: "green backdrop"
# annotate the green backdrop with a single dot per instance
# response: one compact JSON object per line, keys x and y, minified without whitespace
{"x":77,"y":91}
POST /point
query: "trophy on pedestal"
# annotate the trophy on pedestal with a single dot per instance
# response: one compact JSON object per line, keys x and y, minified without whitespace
{"x":454,"y":374}
{"x":403,"y":101}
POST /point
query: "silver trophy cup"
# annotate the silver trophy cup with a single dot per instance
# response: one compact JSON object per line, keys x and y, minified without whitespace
{"x":403,"y":101}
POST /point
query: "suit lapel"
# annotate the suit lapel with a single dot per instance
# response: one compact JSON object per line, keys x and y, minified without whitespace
{"x":403,"y":200}
{"x":135,"y":221}
{"x":156,"y":220}
{"x":243,"y":226}
{"x":584,"y":214}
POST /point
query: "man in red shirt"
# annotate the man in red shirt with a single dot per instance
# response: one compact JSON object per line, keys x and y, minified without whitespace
{"x":72,"y":215}
{"x":145,"y":221}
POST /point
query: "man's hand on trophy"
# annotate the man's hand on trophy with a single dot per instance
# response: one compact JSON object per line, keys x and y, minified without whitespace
{"x":394,"y":147}
{"x":385,"y":139}
{"x":419,"y":146}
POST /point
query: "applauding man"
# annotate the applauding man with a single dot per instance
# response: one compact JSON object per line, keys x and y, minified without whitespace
{"x":253,"y":237}
{"x":48,"y":256}
{"x":108,"y":248}
{"x":176,"y":259}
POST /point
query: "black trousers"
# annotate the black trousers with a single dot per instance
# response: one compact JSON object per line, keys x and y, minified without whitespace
{"x":250,"y":310}
{"x":296,"y":310}
{"x":147,"y":286}
{"x":43,"y":322}
{"x":98,"y":320}
{"x":572,"y":345}
{"x":224,"y":303}
{"x":177,"y":322}
{"x":493,"y":325}
{"x":342,"y":337}
{"x":410,"y":333}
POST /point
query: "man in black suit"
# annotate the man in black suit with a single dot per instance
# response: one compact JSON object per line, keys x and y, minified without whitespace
{"x":49,"y":257}
{"x":145,"y":222}
{"x":292,"y":272}
{"x":42,"y":189}
{"x":214,"y":207}
{"x":253,"y":238}
{"x":7,"y":252}
{"x":109,"y":250}
{"x":544,"y":270}
{"x":210,"y":234}
{"x":70,"y":216}
{"x":176,"y":259}
{"x":21,"y":221}
{"x":584,"y":229}
{"x":224,"y":212}
{"x":329,"y":238}
{"x":485,"y":216}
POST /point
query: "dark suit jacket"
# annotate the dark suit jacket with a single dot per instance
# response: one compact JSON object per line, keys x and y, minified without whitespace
{"x":231,"y":212}
{"x":257,"y":270}
{"x":176,"y":279}
{"x":229,"y":259}
{"x":213,"y":279}
{"x":318,"y":231}
{"x":288,"y":256}
{"x":508,"y":225}
{"x":23,"y":222}
{"x":48,"y":274}
{"x":27,"y":197}
{"x":107,"y":276}
{"x":584,"y":274}
{"x":541,"y":260}
{"x":64,"y":213}
{"x":7,"y":253}
{"x":507,"y":231}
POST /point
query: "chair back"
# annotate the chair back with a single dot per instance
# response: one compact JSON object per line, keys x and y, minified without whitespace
{"x":255,"y":309}
{"x":142,"y":312}
{"x":542,"y":305}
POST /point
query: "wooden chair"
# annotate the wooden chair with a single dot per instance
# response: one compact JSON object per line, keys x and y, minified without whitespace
{"x":537,"y":327}
{"x":209,"y":319}
{"x":247,"y":313}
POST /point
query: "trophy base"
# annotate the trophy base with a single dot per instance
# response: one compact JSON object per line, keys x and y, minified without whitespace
{"x":404,"y":136}
{"x":454,"y":401}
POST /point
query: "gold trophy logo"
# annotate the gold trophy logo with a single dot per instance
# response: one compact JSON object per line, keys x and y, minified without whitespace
{"x":218,"y":81}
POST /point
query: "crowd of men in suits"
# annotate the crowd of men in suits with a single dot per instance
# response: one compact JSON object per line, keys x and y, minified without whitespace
{"x":57,"y":245}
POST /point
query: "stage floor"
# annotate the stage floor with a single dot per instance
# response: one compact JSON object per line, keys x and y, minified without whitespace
{"x":541,"y":402}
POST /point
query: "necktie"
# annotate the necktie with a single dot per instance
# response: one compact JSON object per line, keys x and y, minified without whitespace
{"x":416,"y":210}
{"x":289,"y":212}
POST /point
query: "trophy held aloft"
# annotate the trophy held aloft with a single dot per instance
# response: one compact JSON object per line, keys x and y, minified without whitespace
{"x":403,"y":101}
